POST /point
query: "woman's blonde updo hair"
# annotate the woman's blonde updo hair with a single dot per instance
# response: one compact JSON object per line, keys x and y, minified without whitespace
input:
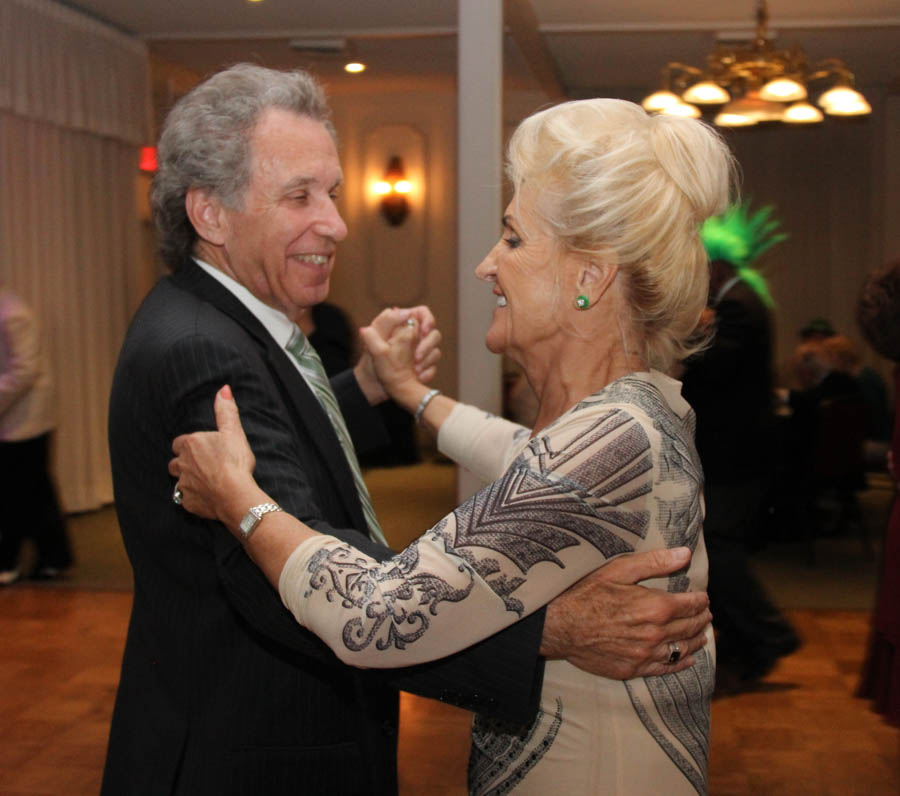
{"x":614,"y":183}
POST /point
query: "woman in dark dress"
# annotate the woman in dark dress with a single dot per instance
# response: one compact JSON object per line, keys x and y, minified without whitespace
{"x":878,"y":313}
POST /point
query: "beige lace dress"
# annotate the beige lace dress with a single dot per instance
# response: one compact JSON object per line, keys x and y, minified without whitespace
{"x":615,"y":474}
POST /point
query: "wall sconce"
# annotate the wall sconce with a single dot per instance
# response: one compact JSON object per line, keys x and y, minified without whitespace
{"x":393,"y":189}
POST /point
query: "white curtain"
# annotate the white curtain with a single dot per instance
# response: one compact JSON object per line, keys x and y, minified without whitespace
{"x":74,"y":103}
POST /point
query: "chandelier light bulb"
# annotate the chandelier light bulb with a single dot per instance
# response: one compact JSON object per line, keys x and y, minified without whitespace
{"x":706,"y":93}
{"x":660,"y":100}
{"x":682,"y":109}
{"x":802,"y":113}
{"x":859,"y":108}
{"x":749,"y":109}
{"x":837,"y":96}
{"x":735,"y":114}
{"x":844,"y":101}
{"x":724,"y":119}
{"x":783,"y":89}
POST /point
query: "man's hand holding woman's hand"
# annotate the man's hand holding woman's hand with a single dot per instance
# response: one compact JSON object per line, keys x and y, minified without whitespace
{"x":401,"y":345}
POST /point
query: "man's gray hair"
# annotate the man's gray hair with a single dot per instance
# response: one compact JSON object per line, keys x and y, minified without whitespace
{"x":205,"y":143}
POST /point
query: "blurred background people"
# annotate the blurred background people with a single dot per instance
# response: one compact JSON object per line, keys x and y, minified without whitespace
{"x":730,"y":387}
{"x":817,"y":329}
{"x":843,"y":355}
{"x":27,"y":420}
{"x":878,"y":314}
{"x":824,"y":452}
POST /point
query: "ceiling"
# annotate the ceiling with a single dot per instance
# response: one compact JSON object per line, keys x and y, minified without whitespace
{"x":591,"y":46}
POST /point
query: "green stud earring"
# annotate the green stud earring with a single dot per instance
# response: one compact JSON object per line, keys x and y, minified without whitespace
{"x":582,"y":302}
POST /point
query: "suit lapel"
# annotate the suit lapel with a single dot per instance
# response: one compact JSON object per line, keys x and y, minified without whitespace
{"x":304,"y":405}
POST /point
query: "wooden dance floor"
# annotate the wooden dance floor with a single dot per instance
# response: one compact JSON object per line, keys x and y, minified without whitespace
{"x":803,"y":732}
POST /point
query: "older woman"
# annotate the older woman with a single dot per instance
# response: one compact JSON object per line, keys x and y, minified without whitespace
{"x":600,"y":278}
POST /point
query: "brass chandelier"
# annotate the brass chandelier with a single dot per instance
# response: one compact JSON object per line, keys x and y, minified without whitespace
{"x":757,"y":83}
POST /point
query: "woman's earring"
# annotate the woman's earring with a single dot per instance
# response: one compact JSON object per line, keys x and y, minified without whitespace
{"x":582,"y":302}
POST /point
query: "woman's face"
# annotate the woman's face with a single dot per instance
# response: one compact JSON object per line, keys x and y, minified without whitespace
{"x":528,"y":270}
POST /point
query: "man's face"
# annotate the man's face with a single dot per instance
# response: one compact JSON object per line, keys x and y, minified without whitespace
{"x":281,"y":244}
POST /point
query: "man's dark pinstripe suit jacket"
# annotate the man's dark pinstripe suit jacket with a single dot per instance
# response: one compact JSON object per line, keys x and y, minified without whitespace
{"x":221,"y":691}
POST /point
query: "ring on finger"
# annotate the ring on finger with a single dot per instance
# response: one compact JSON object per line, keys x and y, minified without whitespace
{"x":177,"y":496}
{"x":674,"y":652}
{"x":410,"y":321}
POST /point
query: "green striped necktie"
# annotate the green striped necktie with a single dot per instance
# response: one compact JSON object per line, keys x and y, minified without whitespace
{"x":311,"y":368}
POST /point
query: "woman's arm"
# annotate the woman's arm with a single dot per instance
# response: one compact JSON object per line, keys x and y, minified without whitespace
{"x":425,"y":348}
{"x":395,"y":360}
{"x":502,"y":555}
{"x":479,"y":441}
{"x":473,"y":438}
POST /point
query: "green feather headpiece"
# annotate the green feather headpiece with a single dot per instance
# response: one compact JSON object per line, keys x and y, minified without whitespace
{"x":739,"y":238}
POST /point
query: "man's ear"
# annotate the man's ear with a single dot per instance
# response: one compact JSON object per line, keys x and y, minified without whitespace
{"x":594,"y":278}
{"x":207,"y":215}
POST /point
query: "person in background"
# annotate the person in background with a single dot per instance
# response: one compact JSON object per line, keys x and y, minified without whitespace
{"x":844,"y":356}
{"x":878,"y":315}
{"x":826,"y":440}
{"x":730,"y":387}
{"x":221,"y":691}
{"x":816,"y":330}
{"x":600,"y":278}
{"x":819,"y":380}
{"x":27,"y":420}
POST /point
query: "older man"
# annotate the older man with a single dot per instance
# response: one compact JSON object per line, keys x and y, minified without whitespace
{"x":221,"y":691}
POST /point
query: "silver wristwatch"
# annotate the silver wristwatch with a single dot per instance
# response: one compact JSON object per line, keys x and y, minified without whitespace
{"x":253,"y":516}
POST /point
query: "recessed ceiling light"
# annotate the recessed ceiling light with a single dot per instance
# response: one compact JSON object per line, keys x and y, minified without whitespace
{"x":354,"y":67}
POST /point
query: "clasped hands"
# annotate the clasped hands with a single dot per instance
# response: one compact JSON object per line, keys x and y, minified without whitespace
{"x":400,"y":345}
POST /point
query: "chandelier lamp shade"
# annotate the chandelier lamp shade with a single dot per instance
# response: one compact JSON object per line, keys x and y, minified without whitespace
{"x":756,"y":83}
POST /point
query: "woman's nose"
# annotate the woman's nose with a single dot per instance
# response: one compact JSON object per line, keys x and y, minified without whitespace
{"x":486,"y":269}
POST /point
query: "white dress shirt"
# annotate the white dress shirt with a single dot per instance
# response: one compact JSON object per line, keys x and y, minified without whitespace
{"x":276,"y":322}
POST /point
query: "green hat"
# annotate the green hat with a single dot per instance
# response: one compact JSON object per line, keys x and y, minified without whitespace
{"x":739,"y":238}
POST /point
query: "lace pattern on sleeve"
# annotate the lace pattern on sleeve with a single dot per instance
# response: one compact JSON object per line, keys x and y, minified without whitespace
{"x":571,"y":500}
